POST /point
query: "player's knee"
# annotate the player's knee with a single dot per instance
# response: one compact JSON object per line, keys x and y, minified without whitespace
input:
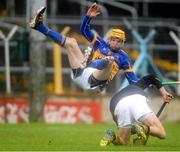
{"x":162,"y":134}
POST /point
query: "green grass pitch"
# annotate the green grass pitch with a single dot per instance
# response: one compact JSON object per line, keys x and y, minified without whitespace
{"x":78,"y":137}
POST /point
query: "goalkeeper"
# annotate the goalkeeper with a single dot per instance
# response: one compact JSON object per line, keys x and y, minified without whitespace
{"x":128,"y":107}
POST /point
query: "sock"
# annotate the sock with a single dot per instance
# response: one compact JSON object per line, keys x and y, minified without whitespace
{"x":57,"y":37}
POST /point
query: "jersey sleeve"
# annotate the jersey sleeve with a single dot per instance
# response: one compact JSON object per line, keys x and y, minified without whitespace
{"x":86,"y":31}
{"x":128,"y":71}
{"x":131,"y":77}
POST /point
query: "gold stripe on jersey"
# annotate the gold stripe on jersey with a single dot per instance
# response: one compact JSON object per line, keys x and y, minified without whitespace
{"x":98,"y":55}
{"x":94,"y":39}
{"x":114,"y":70}
{"x":129,"y":70}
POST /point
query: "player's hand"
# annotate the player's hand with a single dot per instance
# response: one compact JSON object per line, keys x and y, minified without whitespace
{"x":110,"y":58}
{"x":94,"y":10}
{"x":166,"y":96}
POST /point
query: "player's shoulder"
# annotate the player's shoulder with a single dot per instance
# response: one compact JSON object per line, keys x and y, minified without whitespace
{"x":124,"y":54}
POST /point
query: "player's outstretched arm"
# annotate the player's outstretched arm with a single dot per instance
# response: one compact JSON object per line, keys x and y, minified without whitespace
{"x":152,"y":80}
{"x":85,"y":29}
{"x":94,"y":10}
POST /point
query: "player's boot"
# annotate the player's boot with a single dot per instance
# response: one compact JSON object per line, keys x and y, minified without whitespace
{"x":38,"y":18}
{"x":108,"y":138}
{"x":142,"y":132}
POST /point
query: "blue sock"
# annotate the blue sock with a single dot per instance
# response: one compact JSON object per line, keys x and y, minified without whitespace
{"x":99,"y":64}
{"x":57,"y":37}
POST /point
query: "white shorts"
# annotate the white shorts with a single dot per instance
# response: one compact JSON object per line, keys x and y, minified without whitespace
{"x":131,"y":109}
{"x":82,"y":80}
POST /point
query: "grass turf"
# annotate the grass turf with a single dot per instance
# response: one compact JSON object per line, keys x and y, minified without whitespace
{"x":78,"y":137}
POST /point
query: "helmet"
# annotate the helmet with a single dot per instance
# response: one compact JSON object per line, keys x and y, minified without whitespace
{"x":118,"y":33}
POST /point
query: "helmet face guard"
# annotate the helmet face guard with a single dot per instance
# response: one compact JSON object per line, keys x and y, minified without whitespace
{"x":118,"y":33}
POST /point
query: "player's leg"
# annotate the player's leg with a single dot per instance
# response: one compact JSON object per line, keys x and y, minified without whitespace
{"x":139,"y":115}
{"x":75,"y":56}
{"x":155,"y":126}
{"x":123,"y":136}
{"x":142,"y":133}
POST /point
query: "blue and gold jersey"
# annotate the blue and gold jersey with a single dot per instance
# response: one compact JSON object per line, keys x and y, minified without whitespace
{"x":101,"y":50}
